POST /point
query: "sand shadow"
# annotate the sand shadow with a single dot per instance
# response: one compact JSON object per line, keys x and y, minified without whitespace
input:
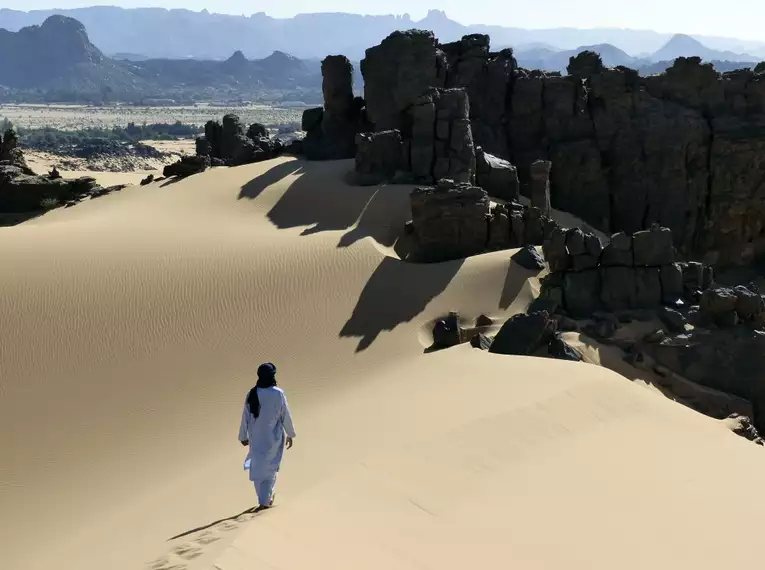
{"x":396,"y":293}
{"x":252,"y":510}
{"x":515,"y":279}
{"x":14,"y":219}
{"x":256,"y":186}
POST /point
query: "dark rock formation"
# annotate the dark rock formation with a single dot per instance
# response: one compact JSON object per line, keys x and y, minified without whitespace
{"x":331,"y":130}
{"x":498,"y":177}
{"x":148,"y":180}
{"x":379,"y":157}
{"x":480,"y":340}
{"x":187,"y":166}
{"x":673,"y":320}
{"x":632,"y":272}
{"x":560,"y":349}
{"x":528,"y":258}
{"x":397,"y":73}
{"x":21,"y":191}
{"x":523,"y":334}
{"x":540,"y":185}
{"x":447,"y":332}
{"x":727,"y":359}
{"x":227,"y":142}
{"x":680,"y":149}
{"x":450,"y":221}
{"x":54,"y":174}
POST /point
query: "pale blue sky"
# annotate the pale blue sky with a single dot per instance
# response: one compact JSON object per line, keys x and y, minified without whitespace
{"x":733,"y":18}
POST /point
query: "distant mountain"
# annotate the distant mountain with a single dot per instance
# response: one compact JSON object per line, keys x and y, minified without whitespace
{"x":549,"y":60}
{"x":178,"y":34}
{"x":685,"y":46}
{"x":58,"y":56}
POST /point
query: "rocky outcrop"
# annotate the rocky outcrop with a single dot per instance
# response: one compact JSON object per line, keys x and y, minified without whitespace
{"x":228,"y":142}
{"x":331,"y":130}
{"x":187,"y":166}
{"x":22,"y":192}
{"x":379,"y":157}
{"x":681,"y":149}
{"x":630,"y":272}
{"x":497,"y":176}
{"x":454,"y":220}
{"x":10,"y":154}
{"x":728,"y":359}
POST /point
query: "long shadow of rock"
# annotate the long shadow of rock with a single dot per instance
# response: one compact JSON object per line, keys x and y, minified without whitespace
{"x":383,"y":217}
{"x":321,"y":200}
{"x":8,"y":220}
{"x":396,"y":293}
{"x":255,"y":187}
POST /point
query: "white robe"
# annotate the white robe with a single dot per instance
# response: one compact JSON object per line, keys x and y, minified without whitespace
{"x":266,"y":433}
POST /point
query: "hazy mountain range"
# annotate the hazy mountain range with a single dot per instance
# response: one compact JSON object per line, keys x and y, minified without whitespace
{"x":56,"y":61}
{"x":160,"y":33}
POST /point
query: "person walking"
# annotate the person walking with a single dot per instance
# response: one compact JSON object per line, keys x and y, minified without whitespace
{"x":267,"y":429}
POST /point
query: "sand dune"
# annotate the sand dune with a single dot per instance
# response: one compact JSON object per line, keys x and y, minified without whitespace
{"x":132,"y":326}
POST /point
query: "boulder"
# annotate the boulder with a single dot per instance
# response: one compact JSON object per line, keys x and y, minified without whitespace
{"x":581,"y":291}
{"x":715,"y":302}
{"x":617,"y":288}
{"x":618,"y":252}
{"x":312,"y":119}
{"x":257,"y":131}
{"x":148,"y":180}
{"x":647,"y":288}
{"x":749,"y":304}
{"x":450,"y":221}
{"x":497,"y":176}
{"x":447,"y":331}
{"x":379,"y":156}
{"x":555,"y":252}
{"x":560,"y":349}
{"x":653,"y":247}
{"x":483,"y":321}
{"x":523,"y":334}
{"x":673,"y":320}
{"x":500,"y":230}
{"x":187,"y":166}
{"x":480,"y":340}
{"x":528,"y":257}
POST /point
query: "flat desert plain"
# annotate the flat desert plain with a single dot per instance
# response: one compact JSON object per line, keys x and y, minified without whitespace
{"x":132,"y":327}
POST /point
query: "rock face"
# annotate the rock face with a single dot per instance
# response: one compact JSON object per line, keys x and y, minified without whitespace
{"x":331,"y":130}
{"x":498,"y":177}
{"x":228,"y":142}
{"x":683,"y":149}
{"x":630,"y":272}
{"x":540,"y":185}
{"x":454,"y":220}
{"x":187,"y":166}
{"x":379,"y":156}
{"x":726,"y":359}
{"x":450,"y":221}
{"x":523,"y":334}
{"x":24,"y":192}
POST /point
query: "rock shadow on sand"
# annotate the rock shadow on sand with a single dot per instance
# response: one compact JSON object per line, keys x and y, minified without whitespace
{"x":396,"y":293}
{"x":322,"y":197}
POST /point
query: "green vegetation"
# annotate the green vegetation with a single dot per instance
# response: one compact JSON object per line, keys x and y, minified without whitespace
{"x":49,"y":137}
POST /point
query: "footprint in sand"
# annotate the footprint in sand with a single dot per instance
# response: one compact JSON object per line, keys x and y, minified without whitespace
{"x":166,"y":564}
{"x":188,"y":551}
{"x":206,"y":538}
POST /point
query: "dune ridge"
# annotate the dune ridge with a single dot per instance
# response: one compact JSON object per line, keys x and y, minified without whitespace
{"x":132,"y":326}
